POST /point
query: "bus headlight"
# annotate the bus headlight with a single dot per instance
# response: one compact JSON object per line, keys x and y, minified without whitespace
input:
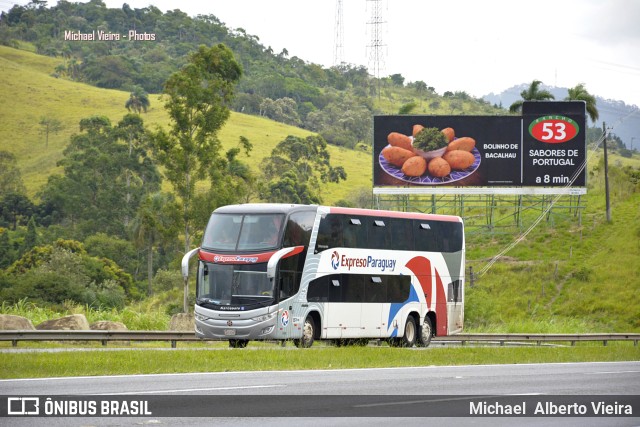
{"x":264,"y":317}
{"x":200,"y":317}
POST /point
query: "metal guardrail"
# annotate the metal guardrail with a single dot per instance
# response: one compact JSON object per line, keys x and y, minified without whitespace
{"x":95,"y":335}
{"x":541,"y":338}
{"x":175,"y":336}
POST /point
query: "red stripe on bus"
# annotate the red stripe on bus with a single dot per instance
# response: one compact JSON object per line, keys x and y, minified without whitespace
{"x":441,"y":307}
{"x":243,"y":258}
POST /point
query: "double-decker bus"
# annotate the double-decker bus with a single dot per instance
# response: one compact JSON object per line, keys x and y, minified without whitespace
{"x":304,"y":273}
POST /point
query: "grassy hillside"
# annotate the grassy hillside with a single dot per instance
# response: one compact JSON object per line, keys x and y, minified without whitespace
{"x":30,"y":93}
{"x":566,"y":275}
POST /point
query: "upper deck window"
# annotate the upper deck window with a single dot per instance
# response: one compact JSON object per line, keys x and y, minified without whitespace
{"x":243,"y":232}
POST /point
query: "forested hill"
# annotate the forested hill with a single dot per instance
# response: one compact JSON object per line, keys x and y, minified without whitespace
{"x":335,"y":102}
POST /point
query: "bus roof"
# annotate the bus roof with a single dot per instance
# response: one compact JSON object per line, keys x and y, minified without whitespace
{"x":393,"y":214}
{"x":286,"y":208}
{"x":283,"y":208}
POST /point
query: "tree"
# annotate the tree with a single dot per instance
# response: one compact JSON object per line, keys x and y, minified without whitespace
{"x":407,"y":108}
{"x":297,"y":167}
{"x":198,"y":103}
{"x":138,"y":101}
{"x":7,"y":252}
{"x":15,"y":209}
{"x":49,"y":125}
{"x":103,"y":182}
{"x":10,"y":177}
{"x":579,"y":93}
{"x":131,"y":130}
{"x":397,"y":79}
{"x":533,"y":93}
{"x":31,"y":238}
{"x":155,"y":222}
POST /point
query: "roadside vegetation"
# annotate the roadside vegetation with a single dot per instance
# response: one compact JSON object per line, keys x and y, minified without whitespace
{"x":265,"y":358}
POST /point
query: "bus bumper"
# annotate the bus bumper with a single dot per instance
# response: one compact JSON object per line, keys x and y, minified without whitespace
{"x":235,"y":326}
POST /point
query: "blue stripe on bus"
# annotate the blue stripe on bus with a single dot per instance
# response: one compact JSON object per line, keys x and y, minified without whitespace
{"x":395,"y":307}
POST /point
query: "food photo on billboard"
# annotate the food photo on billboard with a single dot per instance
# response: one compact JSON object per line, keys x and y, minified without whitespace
{"x":544,"y":147}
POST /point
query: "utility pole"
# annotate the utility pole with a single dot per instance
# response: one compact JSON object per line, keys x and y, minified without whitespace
{"x":606,"y":173}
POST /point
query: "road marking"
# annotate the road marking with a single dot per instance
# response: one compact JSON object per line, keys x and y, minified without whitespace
{"x":612,"y":372}
{"x":187,"y":390}
{"x":447,"y":399}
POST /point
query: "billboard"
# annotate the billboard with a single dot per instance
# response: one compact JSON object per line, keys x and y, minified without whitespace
{"x":540,"y":152}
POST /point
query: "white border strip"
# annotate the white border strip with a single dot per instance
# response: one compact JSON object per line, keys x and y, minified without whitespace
{"x":573,"y":191}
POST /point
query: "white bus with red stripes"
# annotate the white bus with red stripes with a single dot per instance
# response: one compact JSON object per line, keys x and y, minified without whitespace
{"x":304,"y":273}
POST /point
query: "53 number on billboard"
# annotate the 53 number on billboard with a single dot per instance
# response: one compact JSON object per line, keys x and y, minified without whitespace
{"x":553,"y":129}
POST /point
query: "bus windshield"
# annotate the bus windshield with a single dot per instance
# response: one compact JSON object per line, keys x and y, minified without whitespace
{"x":243,"y":232}
{"x":233,"y":284}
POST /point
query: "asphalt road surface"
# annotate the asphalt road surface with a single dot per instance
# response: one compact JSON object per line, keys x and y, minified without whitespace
{"x":350,"y":397}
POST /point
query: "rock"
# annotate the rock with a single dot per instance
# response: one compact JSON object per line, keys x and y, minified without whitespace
{"x":107,"y":325}
{"x":74,"y":322}
{"x":182,"y":322}
{"x":10,"y":322}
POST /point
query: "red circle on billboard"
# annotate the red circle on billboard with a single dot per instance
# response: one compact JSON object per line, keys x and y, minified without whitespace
{"x":553,"y":130}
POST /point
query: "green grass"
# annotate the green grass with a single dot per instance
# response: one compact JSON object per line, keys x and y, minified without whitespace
{"x":81,"y":363}
{"x":260,"y":358}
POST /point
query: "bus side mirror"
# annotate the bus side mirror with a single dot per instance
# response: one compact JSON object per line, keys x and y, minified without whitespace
{"x":273,"y":261}
{"x":185,"y":262}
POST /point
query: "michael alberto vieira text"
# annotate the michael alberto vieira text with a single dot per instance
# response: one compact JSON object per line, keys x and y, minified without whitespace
{"x":596,"y":408}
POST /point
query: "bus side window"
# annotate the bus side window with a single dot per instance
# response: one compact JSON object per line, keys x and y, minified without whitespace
{"x":376,"y":290}
{"x":355,"y":232}
{"x":451,"y":236}
{"x":378,"y":234}
{"x":329,"y":233}
{"x":298,"y":230}
{"x":290,"y":276}
{"x":353,"y":288}
{"x":287,"y":284}
{"x":454,"y":291}
{"x":318,"y":290}
{"x":426,"y":236}
{"x":398,"y":288}
{"x":335,"y":289}
{"x":399,"y":234}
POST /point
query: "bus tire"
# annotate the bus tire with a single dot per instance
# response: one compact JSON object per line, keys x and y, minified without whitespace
{"x":238,"y":343}
{"x":410,"y":333}
{"x":308,"y":334}
{"x":425,"y":333}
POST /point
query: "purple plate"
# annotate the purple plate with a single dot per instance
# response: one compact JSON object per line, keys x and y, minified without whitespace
{"x":427,"y":179}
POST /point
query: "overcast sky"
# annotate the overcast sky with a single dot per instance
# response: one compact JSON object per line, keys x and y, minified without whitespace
{"x":453,"y":45}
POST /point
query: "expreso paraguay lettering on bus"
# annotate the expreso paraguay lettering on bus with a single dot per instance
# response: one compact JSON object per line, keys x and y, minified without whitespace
{"x":368,"y":262}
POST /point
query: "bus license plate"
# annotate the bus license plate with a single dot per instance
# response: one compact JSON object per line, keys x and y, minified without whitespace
{"x":229,"y":332}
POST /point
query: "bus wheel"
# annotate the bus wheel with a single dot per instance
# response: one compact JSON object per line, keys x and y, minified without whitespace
{"x":425,"y":333}
{"x":410,"y":333}
{"x":308,"y":332}
{"x":238,"y":343}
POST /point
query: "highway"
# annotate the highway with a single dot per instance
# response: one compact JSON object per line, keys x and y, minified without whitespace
{"x":398,"y":392}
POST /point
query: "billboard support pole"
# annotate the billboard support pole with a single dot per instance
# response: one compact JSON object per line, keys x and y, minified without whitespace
{"x":606,"y":173}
